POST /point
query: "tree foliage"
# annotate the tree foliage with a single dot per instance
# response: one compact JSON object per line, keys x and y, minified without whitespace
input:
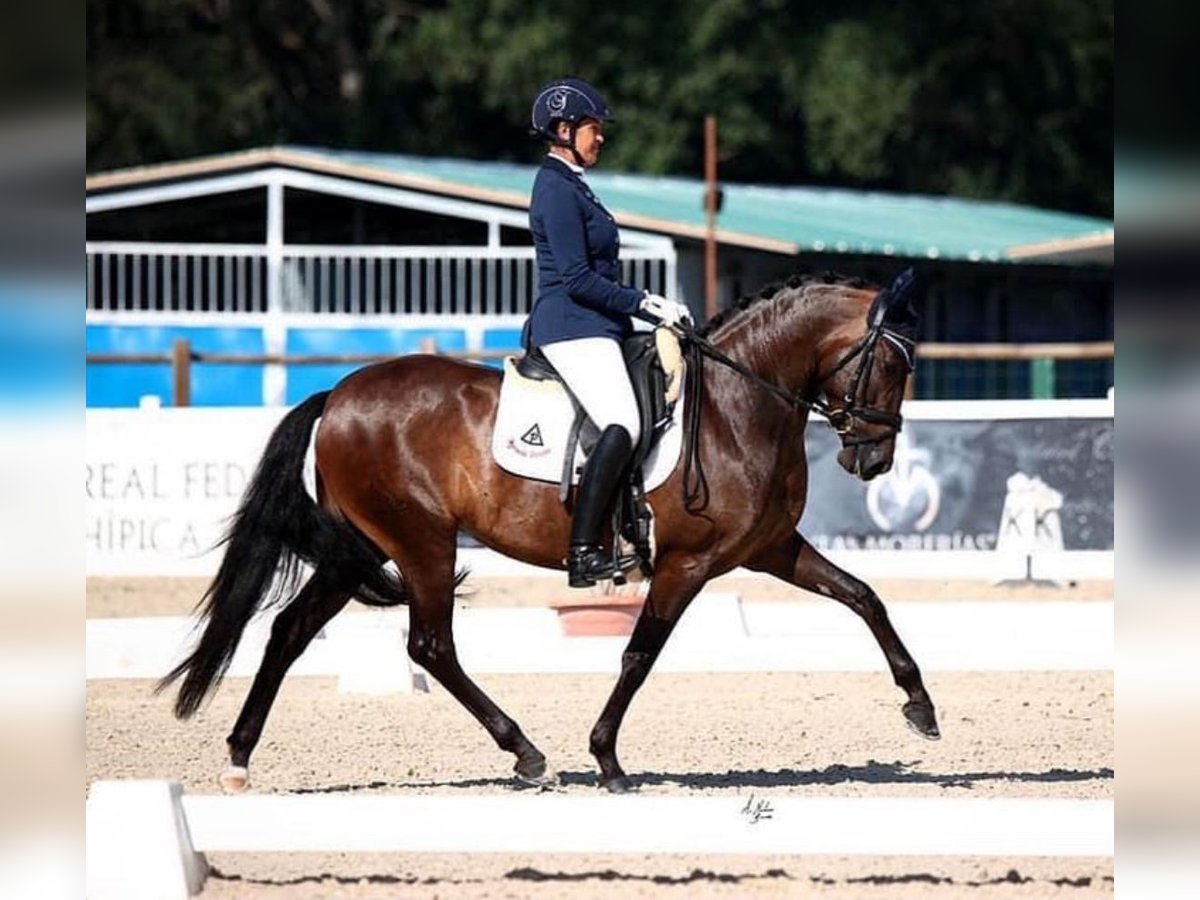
{"x":1009,"y":100}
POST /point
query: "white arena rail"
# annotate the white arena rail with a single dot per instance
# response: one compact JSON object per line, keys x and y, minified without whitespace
{"x":146,"y":839}
{"x":719,"y":633}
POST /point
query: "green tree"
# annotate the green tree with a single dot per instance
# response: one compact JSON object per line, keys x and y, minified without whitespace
{"x":1010,"y":100}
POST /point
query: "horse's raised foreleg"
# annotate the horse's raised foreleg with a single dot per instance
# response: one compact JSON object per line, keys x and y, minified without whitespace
{"x":796,"y":562}
{"x":431,"y":645}
{"x":670,"y":592}
{"x":293,"y":629}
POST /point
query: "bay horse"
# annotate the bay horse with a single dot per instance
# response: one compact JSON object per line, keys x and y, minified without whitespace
{"x":404,"y":464}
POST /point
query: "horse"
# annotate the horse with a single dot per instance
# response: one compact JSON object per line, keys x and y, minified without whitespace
{"x":403,"y":464}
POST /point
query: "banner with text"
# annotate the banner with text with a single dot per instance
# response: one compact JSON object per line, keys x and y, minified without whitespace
{"x":161,"y":484}
{"x":1026,"y":485}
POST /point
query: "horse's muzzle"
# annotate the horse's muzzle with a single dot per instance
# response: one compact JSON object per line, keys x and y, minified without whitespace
{"x":865,"y":461}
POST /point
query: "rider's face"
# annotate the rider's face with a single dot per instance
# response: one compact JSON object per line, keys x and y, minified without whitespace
{"x":589,"y":137}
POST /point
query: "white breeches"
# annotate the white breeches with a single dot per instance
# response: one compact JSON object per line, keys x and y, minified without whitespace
{"x":594,"y":370}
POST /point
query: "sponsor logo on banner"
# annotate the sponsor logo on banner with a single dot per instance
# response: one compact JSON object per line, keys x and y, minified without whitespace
{"x":1030,"y":520}
{"x":1016,"y":484}
{"x":908,"y":496}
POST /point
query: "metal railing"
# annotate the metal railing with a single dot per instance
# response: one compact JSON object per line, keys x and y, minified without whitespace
{"x":354,"y":280}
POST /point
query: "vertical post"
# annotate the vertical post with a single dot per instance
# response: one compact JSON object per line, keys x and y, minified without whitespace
{"x":181,"y":372}
{"x":1041,"y":378}
{"x":710,"y":215}
{"x":274,"y":332}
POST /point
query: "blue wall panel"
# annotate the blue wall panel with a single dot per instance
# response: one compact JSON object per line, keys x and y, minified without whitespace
{"x":40,"y":359}
{"x":213,"y":384}
{"x":508,"y":339}
{"x":237,"y":385}
{"x":305,"y":380}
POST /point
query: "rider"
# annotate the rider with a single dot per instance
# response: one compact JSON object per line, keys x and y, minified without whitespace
{"x":582,"y":312}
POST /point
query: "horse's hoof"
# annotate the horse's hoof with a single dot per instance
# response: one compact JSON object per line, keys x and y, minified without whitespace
{"x":235,"y":779}
{"x":535,"y":774}
{"x":921,"y":719}
{"x":547,"y":781}
{"x":619,"y":785}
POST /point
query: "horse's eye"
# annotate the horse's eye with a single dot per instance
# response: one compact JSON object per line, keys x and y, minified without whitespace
{"x":890,"y":369}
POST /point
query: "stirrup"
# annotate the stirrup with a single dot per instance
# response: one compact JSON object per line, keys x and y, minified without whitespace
{"x":623,"y":565}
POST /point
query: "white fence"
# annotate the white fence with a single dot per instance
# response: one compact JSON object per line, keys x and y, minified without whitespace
{"x":365,"y":650}
{"x":131,"y":277}
{"x":146,"y":839}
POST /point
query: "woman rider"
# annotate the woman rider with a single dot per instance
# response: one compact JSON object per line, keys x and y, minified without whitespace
{"x":582,"y":311}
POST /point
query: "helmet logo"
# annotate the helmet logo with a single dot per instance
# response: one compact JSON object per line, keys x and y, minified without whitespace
{"x":556,"y":102}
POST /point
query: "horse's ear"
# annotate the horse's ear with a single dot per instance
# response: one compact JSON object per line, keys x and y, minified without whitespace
{"x":894,"y":304}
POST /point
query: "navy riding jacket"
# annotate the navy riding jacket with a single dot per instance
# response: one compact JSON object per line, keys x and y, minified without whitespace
{"x":576,"y":243}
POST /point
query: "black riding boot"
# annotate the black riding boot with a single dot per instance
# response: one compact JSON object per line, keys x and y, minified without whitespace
{"x":587,"y":562}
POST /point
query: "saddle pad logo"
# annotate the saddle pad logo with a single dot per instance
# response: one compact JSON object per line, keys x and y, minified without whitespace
{"x":531,"y":444}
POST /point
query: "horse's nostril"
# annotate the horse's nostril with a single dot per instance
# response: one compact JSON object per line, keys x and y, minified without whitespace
{"x":876,"y":465}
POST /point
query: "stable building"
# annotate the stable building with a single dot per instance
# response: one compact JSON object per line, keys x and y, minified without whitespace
{"x":293,"y":251}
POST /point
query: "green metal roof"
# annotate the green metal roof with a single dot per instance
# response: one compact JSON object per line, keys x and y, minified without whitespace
{"x":775,"y":218}
{"x":812,"y":219}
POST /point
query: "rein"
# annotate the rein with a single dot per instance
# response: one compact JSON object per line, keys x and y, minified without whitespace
{"x":841,"y":418}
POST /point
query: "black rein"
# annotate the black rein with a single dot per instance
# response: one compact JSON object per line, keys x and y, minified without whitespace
{"x":841,"y":418}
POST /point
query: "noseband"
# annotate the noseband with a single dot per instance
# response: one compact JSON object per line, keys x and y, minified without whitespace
{"x":843,"y":417}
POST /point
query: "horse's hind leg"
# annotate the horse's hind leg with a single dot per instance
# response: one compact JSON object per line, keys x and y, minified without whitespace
{"x":796,"y":562}
{"x":429,"y":571}
{"x":318,"y":602}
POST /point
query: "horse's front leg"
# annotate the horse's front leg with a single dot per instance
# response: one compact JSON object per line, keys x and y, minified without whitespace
{"x":795,"y":561}
{"x":670,"y":592}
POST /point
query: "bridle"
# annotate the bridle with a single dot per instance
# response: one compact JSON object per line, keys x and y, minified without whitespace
{"x":844,"y":416}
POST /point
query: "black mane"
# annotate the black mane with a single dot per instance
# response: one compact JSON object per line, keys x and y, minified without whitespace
{"x":771,"y":290}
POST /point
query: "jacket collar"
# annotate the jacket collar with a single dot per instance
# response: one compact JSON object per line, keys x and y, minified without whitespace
{"x":578,"y":170}
{"x":562,"y":170}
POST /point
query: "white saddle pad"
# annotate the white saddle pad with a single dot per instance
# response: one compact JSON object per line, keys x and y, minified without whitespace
{"x":533,"y":423}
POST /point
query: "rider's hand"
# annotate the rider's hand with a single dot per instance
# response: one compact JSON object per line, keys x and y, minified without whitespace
{"x":664,"y":311}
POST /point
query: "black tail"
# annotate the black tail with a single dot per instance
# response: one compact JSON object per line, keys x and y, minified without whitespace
{"x":277,"y":527}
